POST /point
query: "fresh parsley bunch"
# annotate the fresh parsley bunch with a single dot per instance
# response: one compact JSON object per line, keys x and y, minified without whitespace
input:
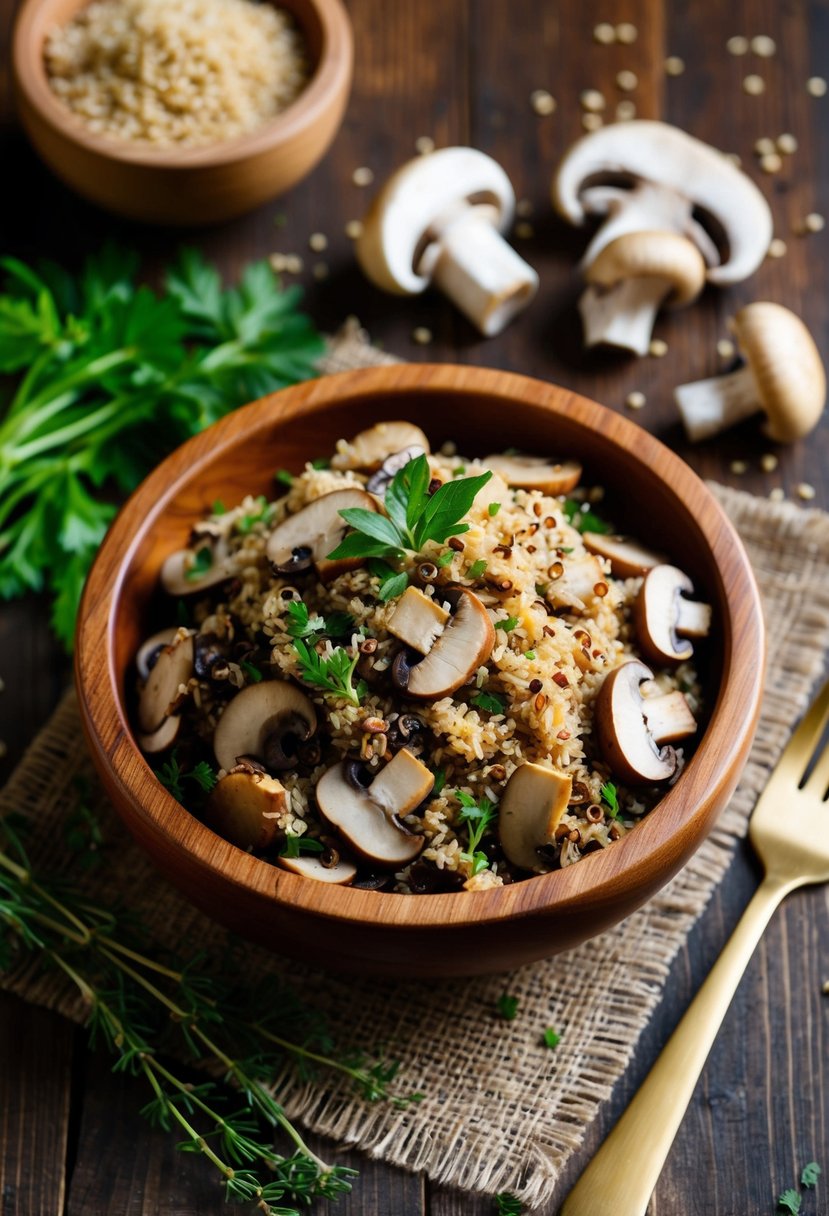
{"x":103,"y":378}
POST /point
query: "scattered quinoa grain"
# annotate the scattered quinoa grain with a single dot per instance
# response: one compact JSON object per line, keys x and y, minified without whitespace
{"x":524,"y":231}
{"x":421,"y":335}
{"x":635,"y":400}
{"x":363,"y":176}
{"x":626,"y":32}
{"x":816,"y":86}
{"x":293,"y":264}
{"x":320,"y":271}
{"x":592,"y":100}
{"x":604,"y":33}
{"x":814,"y":222}
{"x":542,"y":102}
{"x":738,"y":45}
{"x":725,"y":348}
{"x":674,"y":65}
{"x":627,"y":80}
{"x":317,"y":241}
{"x":738,"y":467}
{"x":591,"y":122}
{"x":626,"y":110}
{"x":354,"y":230}
{"x":777,"y":248}
{"x":805,"y":491}
{"x":657,"y":348}
{"x":424,"y":144}
{"x":771,"y":163}
{"x":764,"y":146}
{"x":769,"y":462}
{"x":763,"y":46}
{"x":524,"y":207}
{"x":787,"y":144}
{"x":754,"y":85}
{"x":777,"y":495}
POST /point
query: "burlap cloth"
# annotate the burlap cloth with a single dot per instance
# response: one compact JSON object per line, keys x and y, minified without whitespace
{"x":501,"y":1112}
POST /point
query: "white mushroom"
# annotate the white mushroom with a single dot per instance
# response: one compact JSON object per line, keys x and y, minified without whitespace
{"x":783,"y":377}
{"x":417,"y":620}
{"x":166,"y":684}
{"x":664,"y":619}
{"x":536,"y":472}
{"x":267,"y":722}
{"x":149,"y":651}
{"x":190,"y":570}
{"x":369,"y":449}
{"x":306,"y":539}
{"x":368,"y":816}
{"x":245,"y":808}
{"x":628,"y":559}
{"x":342,"y":873}
{"x":646,"y":177}
{"x":439,"y":220}
{"x":631,"y":730}
{"x":531,"y":808}
{"x":162,"y":738}
{"x":631,"y":279}
{"x":465,"y":643}
{"x":581,"y":582}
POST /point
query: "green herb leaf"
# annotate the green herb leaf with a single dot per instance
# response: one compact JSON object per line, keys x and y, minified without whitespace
{"x":444,"y":559}
{"x":301,"y":623}
{"x":478,"y":816}
{"x":439,"y":775}
{"x":529,"y":654}
{"x":790,"y":1201}
{"x":201,"y":563}
{"x":203,"y":775}
{"x":333,"y":674}
{"x":551,"y":1037}
{"x":584,"y":520}
{"x":393,"y":586}
{"x":494,"y":508}
{"x":321,"y":462}
{"x":339,"y":625}
{"x":284,"y":477}
{"x":508,"y":624}
{"x":611,"y":798}
{"x":294,"y":845}
{"x":476,"y":569}
{"x":810,"y":1174}
{"x":251,"y":671}
{"x":490,"y":701}
{"x":218,"y":507}
{"x":507,"y":1205}
{"x":507,"y":1007}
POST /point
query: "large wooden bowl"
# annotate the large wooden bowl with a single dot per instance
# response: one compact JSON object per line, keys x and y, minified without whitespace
{"x":201,"y":185}
{"x":654,"y":493}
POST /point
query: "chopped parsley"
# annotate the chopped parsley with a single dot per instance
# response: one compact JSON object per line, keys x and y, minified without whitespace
{"x":303,"y":625}
{"x":294,"y":845}
{"x":494,"y":508}
{"x":507,"y":1007}
{"x":439,"y":775}
{"x":530,"y":654}
{"x":551,"y":1037}
{"x":459,"y":471}
{"x":507,"y":1205}
{"x":444,"y":559}
{"x":218,"y":508}
{"x":334,"y":674}
{"x":490,"y":701}
{"x":321,"y":462}
{"x":251,"y":671}
{"x":478,"y":816}
{"x":508,"y":624}
{"x":810,"y":1174}
{"x":392,"y":583}
{"x":610,"y":797}
{"x":284,"y":477}
{"x":172,"y":778}
{"x":584,"y":520}
{"x":476,"y":569}
{"x":262,"y":515}
{"x":789,"y":1202}
{"x":201,"y":563}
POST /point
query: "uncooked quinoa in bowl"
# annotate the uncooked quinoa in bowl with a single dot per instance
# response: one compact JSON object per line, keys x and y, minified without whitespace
{"x":418,"y":672}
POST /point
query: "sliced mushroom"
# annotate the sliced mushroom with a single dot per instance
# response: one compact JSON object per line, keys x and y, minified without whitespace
{"x":630,"y":280}
{"x":536,"y":473}
{"x":628,"y":559}
{"x":669,"y":717}
{"x":531,"y":808}
{"x":162,"y":738}
{"x":662,"y":616}
{"x":268,"y":721}
{"x":379,"y":482}
{"x":465,"y":643}
{"x":306,"y":539}
{"x":578,"y":586}
{"x":417,"y":620}
{"x":439,"y":219}
{"x":342,"y":874}
{"x":149,"y":651}
{"x":783,"y":378}
{"x":245,"y":807}
{"x":161,"y":695}
{"x":368,"y":816}
{"x":182,"y":574}
{"x":369,"y":449}
{"x":630,"y":729}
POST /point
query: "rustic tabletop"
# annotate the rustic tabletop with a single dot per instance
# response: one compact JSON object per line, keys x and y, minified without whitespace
{"x":463,"y":71}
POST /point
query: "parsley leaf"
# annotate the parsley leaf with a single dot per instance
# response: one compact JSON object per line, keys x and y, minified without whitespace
{"x":508,"y":624}
{"x":507,"y":1205}
{"x":494,"y":508}
{"x":333,"y":675}
{"x":172,"y":777}
{"x":810,"y":1174}
{"x":251,"y":671}
{"x":507,"y":1007}
{"x":551,"y":1037}
{"x":302,"y":624}
{"x":392,"y":583}
{"x":584,"y":520}
{"x":478,"y":816}
{"x":439,"y":775}
{"x":445,"y":559}
{"x":295,"y":844}
{"x":790,"y":1202}
{"x":489,"y":701}
{"x":476,"y":569}
{"x":203,"y":775}
{"x":611,"y":798}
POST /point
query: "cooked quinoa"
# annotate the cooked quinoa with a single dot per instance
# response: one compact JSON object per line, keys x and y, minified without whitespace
{"x":531,"y":701}
{"x":183,"y":72}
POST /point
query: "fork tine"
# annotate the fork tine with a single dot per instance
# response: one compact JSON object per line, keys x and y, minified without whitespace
{"x":807,"y":736}
{"x":819,"y":779}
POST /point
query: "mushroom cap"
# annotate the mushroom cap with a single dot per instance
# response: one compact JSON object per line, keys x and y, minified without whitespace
{"x":656,"y":613}
{"x":536,"y":472}
{"x":661,"y":153}
{"x":160,"y":695}
{"x":622,"y":730}
{"x":149,"y":649}
{"x":371,"y":447}
{"x":787,"y":368}
{"x":244,"y":808}
{"x":531,"y":808}
{"x":368,"y":816}
{"x":256,"y":713}
{"x":342,"y":874}
{"x":628,"y":559}
{"x":417,"y":202}
{"x":319,"y":527}
{"x":465,"y":643}
{"x":651,"y":255}
{"x":162,"y":738}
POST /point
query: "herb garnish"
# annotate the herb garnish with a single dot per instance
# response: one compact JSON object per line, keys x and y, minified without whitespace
{"x":332,"y":674}
{"x":439,"y":775}
{"x":584,"y":520}
{"x":478,"y":817}
{"x":445,"y":559}
{"x":490,"y":701}
{"x":508,"y":1205}
{"x":507,"y":624}
{"x":810,"y":1174}
{"x":172,"y":777}
{"x":494,"y":508}
{"x":392,"y":582}
{"x":303,"y":625}
{"x":477,"y":568}
{"x":610,"y":796}
{"x":551,"y":1037}
{"x":106,"y":378}
{"x":283,"y":477}
{"x":295,"y":844}
{"x":507,"y":1007}
{"x":201,"y":563}
{"x":251,"y":671}
{"x":790,"y":1202}
{"x":414,"y":516}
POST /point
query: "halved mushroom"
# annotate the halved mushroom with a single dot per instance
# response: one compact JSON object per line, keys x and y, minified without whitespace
{"x":161,"y":695}
{"x":149,"y":651}
{"x":536,"y":473}
{"x":662,"y":616}
{"x":582,"y":581}
{"x":630,"y":280}
{"x":162,"y":738}
{"x":267,"y":721}
{"x":380,"y":481}
{"x":305,"y":539}
{"x":245,"y":808}
{"x":628,"y":559}
{"x":783,"y":377}
{"x":417,"y":620}
{"x":531,"y":808}
{"x":369,"y":449}
{"x":648,"y":177}
{"x":631,"y":729}
{"x":188,"y":570}
{"x":439,"y":219}
{"x":368,"y":816}
{"x":342,"y":874}
{"x":465,"y":643}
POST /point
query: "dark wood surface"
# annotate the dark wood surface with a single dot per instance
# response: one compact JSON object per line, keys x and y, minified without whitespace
{"x":462,"y":71}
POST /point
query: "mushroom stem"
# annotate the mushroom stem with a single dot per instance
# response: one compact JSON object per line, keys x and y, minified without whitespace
{"x":623,"y":315}
{"x":481,"y":273}
{"x":710,"y":406}
{"x":646,"y":208}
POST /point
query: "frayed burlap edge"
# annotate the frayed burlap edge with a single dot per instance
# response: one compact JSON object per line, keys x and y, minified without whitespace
{"x":501,"y":1111}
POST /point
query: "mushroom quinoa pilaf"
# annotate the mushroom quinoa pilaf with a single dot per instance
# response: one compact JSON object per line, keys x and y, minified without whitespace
{"x":420,"y":672}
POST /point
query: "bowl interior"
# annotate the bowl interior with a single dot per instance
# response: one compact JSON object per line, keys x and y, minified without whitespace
{"x":650,"y":493}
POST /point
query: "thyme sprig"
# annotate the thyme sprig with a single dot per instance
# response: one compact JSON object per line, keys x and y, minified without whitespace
{"x":142,"y":1007}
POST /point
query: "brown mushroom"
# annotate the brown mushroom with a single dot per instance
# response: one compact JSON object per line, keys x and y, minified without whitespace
{"x":149,"y":651}
{"x":368,"y":815}
{"x":465,"y":643}
{"x":628,"y":559}
{"x":531,"y":808}
{"x":245,"y":807}
{"x":368,"y":450}
{"x":631,"y":730}
{"x":190,"y":570}
{"x":267,"y":721}
{"x":161,"y":695}
{"x":342,"y":873}
{"x":162,"y":738}
{"x":578,"y":585}
{"x":536,"y":472}
{"x":305,"y":539}
{"x":417,"y":620}
{"x":662,"y":616}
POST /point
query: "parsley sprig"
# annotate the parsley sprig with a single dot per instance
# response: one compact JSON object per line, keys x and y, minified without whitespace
{"x":302,"y":625}
{"x":172,"y":777}
{"x":414,"y":516}
{"x":610,"y":796}
{"x":334,"y":674}
{"x":477,"y":815}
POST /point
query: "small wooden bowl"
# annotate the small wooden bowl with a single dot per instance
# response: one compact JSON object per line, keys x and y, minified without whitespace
{"x":186,"y":186}
{"x":656,"y":496}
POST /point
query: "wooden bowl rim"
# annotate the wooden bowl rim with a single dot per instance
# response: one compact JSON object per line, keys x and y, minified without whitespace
{"x":330,"y":78}
{"x":645,"y":858}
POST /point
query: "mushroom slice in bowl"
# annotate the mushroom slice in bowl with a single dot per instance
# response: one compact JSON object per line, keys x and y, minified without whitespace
{"x":536,"y":473}
{"x":342,"y":873}
{"x":371,"y":448}
{"x":368,"y":815}
{"x":161,"y":695}
{"x":464,"y":644}
{"x":664,"y":619}
{"x":417,"y":620}
{"x":190,"y":570}
{"x":267,"y":722}
{"x":161,"y":739}
{"x":632,"y":729}
{"x":245,"y":808}
{"x":305,"y":539}
{"x":628,"y":559}
{"x":531,"y":809}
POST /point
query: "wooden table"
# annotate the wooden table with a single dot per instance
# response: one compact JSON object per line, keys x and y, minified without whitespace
{"x":461,"y":71}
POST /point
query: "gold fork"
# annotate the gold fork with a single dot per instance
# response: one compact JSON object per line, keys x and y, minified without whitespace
{"x":789,"y":830}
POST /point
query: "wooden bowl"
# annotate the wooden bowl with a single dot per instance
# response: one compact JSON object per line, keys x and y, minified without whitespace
{"x":657,"y":496}
{"x":187,"y":186}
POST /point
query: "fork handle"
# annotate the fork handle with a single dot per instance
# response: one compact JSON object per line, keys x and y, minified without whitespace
{"x":620,"y":1179}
